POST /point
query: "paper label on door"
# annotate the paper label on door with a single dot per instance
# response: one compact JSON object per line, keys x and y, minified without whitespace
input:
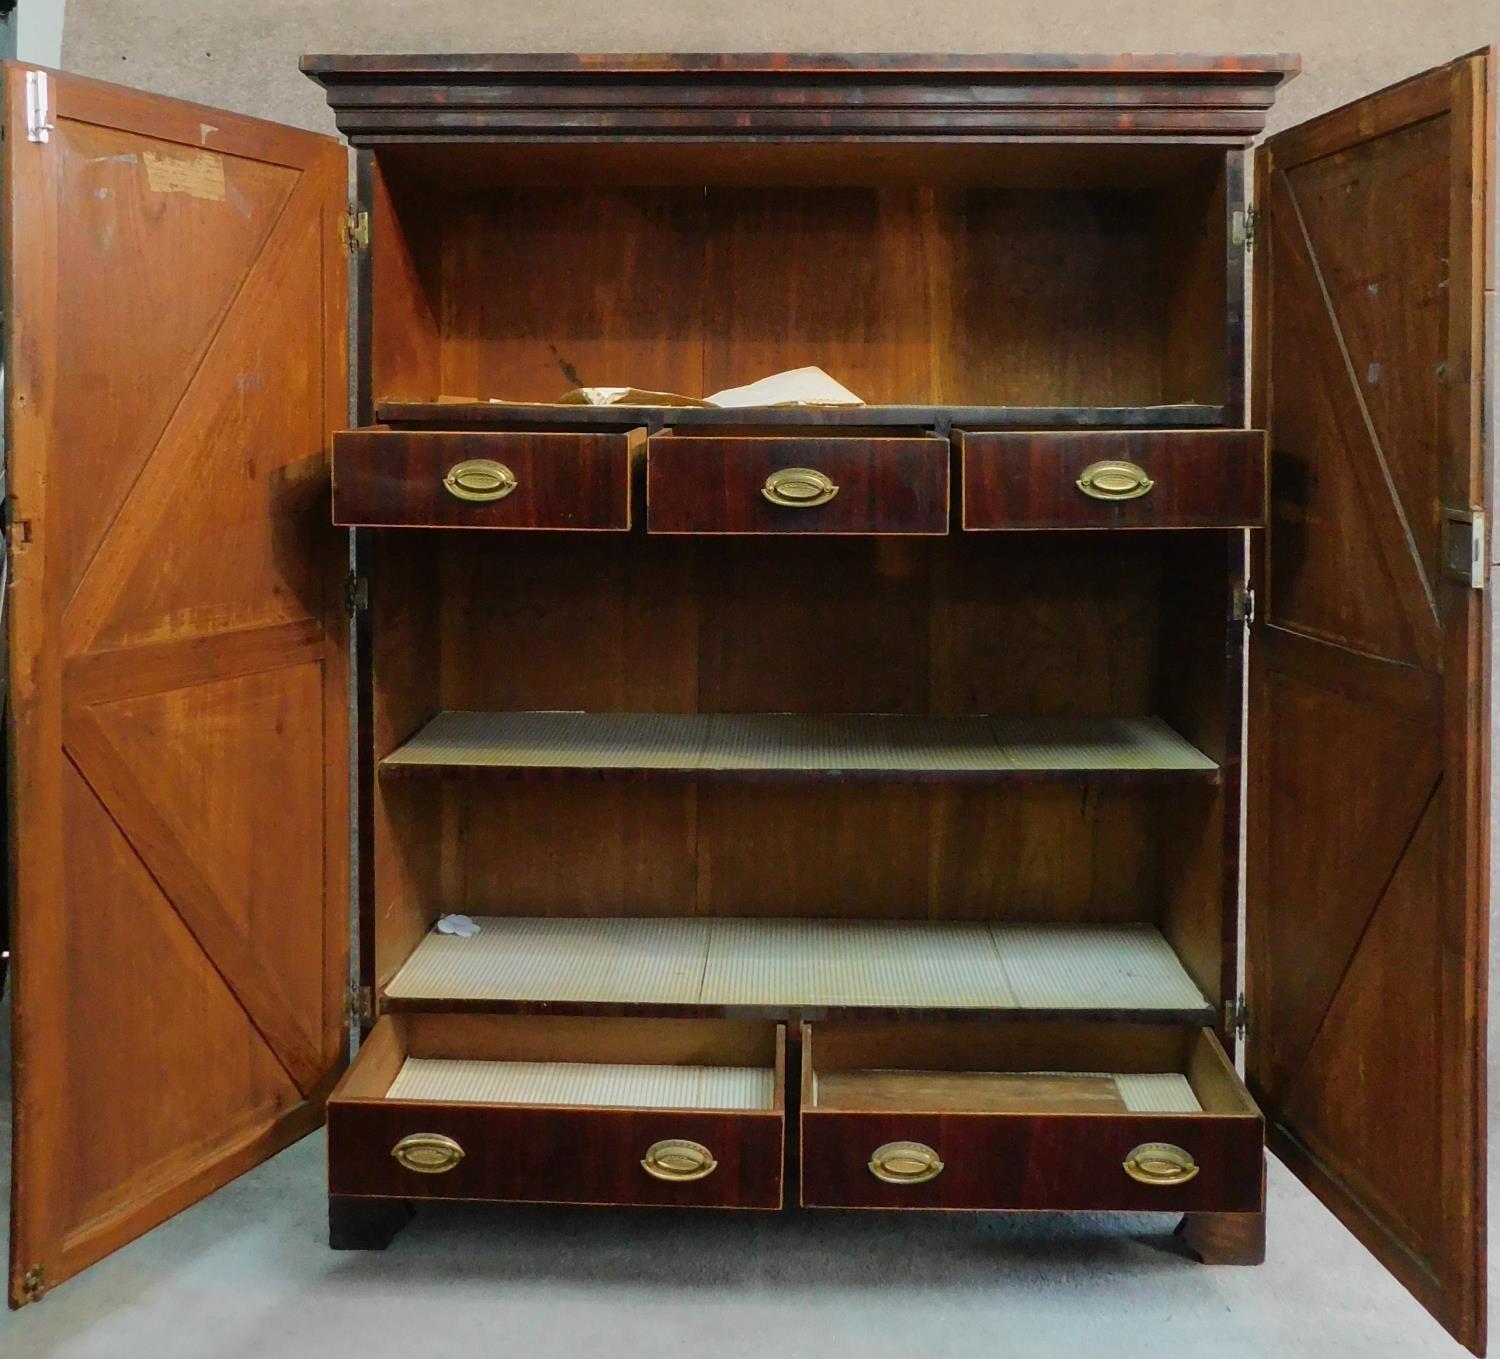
{"x":201,"y":176}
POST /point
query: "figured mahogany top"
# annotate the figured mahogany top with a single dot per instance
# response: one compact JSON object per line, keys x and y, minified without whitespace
{"x":334,"y":65}
{"x":739,"y":96}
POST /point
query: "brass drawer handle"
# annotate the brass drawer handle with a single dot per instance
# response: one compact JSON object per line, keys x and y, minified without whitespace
{"x":678,"y":1160}
{"x":1160,"y":1163}
{"x":1114,"y":481}
{"x":905,"y":1163}
{"x":428,"y":1153}
{"x":798,"y":488}
{"x":479,"y":479}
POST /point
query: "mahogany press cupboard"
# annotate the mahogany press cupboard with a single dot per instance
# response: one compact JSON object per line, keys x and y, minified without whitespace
{"x":848,"y":799}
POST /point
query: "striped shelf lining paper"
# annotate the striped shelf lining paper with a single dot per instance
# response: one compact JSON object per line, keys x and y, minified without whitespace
{"x":1166,"y":1092}
{"x":546,"y":958}
{"x":599,"y":1085}
{"x":826,"y":962}
{"x":795,"y":743}
{"x":781,"y":962}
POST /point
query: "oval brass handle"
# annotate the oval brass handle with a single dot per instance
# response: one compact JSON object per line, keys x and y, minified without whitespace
{"x":1160,"y":1163}
{"x":428,"y":1153}
{"x":678,"y":1160}
{"x":1114,"y":481}
{"x":480,"y":479}
{"x":905,"y":1163}
{"x":798,"y":488}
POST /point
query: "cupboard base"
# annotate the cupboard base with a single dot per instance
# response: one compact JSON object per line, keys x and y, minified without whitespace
{"x":1225,"y":1238}
{"x":365,"y":1224}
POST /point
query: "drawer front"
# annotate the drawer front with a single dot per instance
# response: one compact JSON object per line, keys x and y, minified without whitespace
{"x":797,"y":485}
{"x":1114,"y":479}
{"x":553,"y":1155}
{"x":1041,"y":1161}
{"x":486,"y":480}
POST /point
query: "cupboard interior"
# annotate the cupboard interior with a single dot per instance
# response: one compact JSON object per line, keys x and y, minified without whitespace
{"x":1014,"y":625}
{"x":988,"y":276}
{"x":1043,"y":1068}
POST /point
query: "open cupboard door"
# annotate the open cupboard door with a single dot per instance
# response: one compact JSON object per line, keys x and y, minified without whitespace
{"x":177,"y":649}
{"x":1368,"y":762}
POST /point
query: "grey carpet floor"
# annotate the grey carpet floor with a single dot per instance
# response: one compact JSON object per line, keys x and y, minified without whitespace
{"x":247,"y":1274}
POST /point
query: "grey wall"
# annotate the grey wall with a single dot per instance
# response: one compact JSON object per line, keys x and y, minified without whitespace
{"x":242,"y":54}
{"x":36,"y":29}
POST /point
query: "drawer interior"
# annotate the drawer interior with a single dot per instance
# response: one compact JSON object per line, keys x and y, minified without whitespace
{"x":569,"y":1062}
{"x":1022,"y":1068}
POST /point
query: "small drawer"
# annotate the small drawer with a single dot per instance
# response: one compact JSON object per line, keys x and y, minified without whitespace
{"x":489,"y":479}
{"x":1114,"y":479}
{"x":802,"y":484}
{"x":1022,"y":1116}
{"x":528,"y":1109}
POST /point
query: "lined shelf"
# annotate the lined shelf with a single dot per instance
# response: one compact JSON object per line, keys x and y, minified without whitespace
{"x":866,"y":747}
{"x":599,"y":1085}
{"x":772,"y":965}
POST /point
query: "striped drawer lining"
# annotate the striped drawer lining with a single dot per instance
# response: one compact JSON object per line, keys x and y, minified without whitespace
{"x":1166,"y":1092}
{"x":811,"y":963}
{"x":598,"y":1085}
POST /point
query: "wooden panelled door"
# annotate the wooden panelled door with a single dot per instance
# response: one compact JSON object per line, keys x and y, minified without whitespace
{"x":176,"y":363}
{"x":1368,"y":760}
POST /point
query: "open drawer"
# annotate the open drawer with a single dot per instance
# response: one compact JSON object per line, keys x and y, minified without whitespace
{"x":488,"y":479}
{"x":1080,"y":479}
{"x":1025,"y":1115}
{"x":520,"y":1108}
{"x":800,"y":483}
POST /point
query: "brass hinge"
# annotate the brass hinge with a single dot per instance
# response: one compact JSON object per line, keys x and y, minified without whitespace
{"x":354,"y":231}
{"x":1243,"y":225}
{"x":33,"y":1283}
{"x":359,"y":1005}
{"x":1236,"y":1015}
{"x":39,"y":124}
{"x":1242,"y":604}
{"x":356,"y":592}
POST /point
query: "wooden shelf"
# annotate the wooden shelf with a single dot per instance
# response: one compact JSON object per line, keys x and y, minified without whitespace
{"x":937,"y":419}
{"x":760,"y":746}
{"x":773,"y":966}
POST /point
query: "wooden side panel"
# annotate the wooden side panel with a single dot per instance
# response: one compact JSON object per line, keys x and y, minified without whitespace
{"x":1367,"y":890}
{"x":176,"y":353}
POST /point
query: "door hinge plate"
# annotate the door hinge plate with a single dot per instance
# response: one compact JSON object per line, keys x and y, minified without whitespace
{"x":354,"y":231}
{"x":1243,"y":225}
{"x":1236,"y":1016}
{"x":356,"y":592}
{"x":39,"y":124}
{"x":1464,"y":546}
{"x":1242,"y":604}
{"x":359,"y":1005}
{"x":33,"y":1283}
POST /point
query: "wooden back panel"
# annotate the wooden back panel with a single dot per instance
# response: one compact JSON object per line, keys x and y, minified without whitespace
{"x":176,"y":361}
{"x":965,"y":624}
{"x":960,"y":295}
